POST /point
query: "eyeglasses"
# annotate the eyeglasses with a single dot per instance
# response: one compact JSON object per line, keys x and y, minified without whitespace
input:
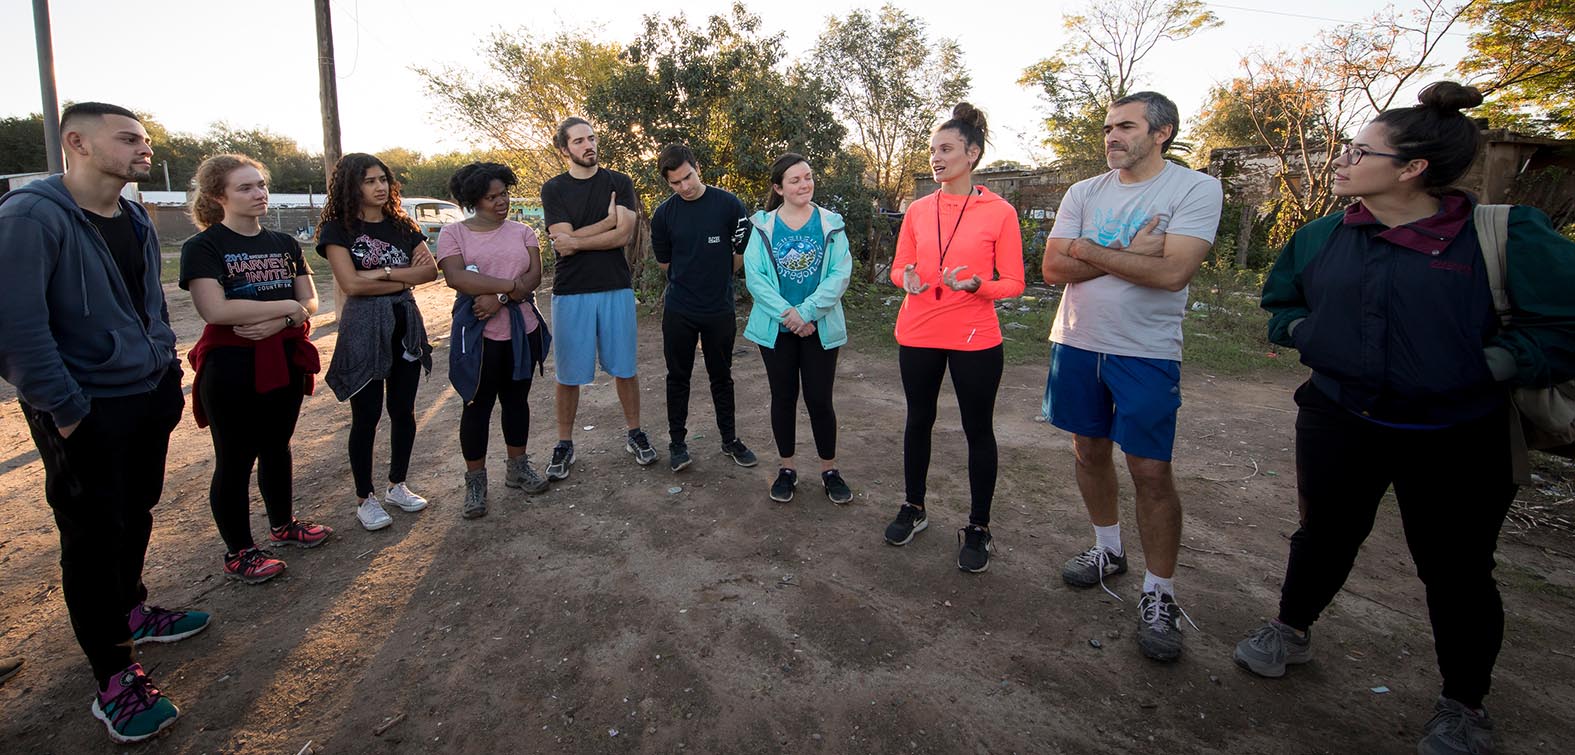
{"x":1354,"y":154}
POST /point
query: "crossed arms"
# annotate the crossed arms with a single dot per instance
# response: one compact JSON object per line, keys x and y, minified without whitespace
{"x":1152,"y":259}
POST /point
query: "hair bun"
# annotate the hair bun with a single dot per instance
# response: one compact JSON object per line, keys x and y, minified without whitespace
{"x":1449,"y":96}
{"x":971,"y":115}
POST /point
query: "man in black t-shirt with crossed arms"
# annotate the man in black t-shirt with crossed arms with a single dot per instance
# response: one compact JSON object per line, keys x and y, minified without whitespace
{"x":590,"y":215}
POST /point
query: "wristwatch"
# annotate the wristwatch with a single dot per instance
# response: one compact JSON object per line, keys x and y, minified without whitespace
{"x":388,"y":272}
{"x":289,"y":321}
{"x":503,"y":298}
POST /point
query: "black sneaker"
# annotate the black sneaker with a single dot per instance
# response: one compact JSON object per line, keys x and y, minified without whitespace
{"x":837,"y":490}
{"x":782,"y":489}
{"x":974,"y":553}
{"x":677,"y":455}
{"x":741,"y":454}
{"x":1159,"y":626}
{"x":910,"y":521}
{"x":640,"y":446}
{"x":562,"y":458}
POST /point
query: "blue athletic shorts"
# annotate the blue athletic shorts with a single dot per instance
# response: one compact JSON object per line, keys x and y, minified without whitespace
{"x":586,"y":326}
{"x":1130,"y":400}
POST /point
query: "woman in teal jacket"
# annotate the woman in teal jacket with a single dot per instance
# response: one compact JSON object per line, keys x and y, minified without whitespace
{"x":797,"y":266}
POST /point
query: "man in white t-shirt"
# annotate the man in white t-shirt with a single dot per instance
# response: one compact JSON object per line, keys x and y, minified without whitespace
{"x":1126,"y":244}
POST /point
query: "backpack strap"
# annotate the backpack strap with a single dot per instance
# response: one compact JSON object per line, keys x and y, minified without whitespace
{"x":1492,"y":222}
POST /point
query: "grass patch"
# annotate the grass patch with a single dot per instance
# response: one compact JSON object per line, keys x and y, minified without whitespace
{"x":1224,"y":331}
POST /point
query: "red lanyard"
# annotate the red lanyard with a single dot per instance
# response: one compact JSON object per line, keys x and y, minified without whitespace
{"x":941,"y":267}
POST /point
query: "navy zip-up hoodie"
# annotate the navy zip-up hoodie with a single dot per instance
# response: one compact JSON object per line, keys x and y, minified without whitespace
{"x":69,"y":330}
{"x":1398,"y":323}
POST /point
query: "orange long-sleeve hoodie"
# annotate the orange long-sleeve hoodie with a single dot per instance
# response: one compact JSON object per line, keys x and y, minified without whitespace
{"x":989,"y":241}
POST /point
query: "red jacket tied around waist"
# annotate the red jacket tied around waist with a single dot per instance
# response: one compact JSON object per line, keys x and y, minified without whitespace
{"x":272,"y":367}
{"x":988,"y":240}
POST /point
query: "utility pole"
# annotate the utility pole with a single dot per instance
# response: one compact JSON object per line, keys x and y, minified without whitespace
{"x":327,"y":87}
{"x":46,"y":86}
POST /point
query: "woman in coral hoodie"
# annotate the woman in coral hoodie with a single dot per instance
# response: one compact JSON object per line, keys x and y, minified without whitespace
{"x":959,"y":250}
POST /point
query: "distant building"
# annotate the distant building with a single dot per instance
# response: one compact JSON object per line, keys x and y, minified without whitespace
{"x":1511,"y":168}
{"x":1035,"y":192}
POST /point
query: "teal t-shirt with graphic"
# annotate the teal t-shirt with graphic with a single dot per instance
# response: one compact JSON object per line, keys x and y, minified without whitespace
{"x":798,"y":255}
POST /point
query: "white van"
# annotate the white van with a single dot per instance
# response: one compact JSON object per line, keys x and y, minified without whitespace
{"x":431,"y":215}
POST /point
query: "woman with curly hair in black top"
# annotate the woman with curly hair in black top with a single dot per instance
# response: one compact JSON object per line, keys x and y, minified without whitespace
{"x":377,"y":254}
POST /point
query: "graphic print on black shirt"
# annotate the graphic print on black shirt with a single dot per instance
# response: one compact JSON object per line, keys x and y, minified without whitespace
{"x":126,"y":249}
{"x":259,"y":268}
{"x":373,"y":246}
{"x":580,"y":203}
{"x":694,"y":238}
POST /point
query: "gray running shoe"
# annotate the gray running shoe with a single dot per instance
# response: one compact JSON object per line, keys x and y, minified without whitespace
{"x":562,"y":459}
{"x":1272,"y":647}
{"x":1456,"y":730}
{"x":1090,"y":567}
{"x":1159,"y":626}
{"x":475,"y":494}
{"x":521,"y":475}
{"x":640,"y":446}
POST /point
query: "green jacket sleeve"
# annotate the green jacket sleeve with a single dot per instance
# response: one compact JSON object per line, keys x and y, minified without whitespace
{"x":1540,"y":281}
{"x":1282,"y":289}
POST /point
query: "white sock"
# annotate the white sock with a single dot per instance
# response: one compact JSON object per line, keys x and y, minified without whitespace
{"x":1161,"y":585}
{"x":1109,"y":538}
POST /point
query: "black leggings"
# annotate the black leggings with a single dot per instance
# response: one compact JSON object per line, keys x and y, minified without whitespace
{"x":497,"y":384}
{"x":247,"y":428}
{"x":795,"y":360}
{"x":976,"y":376}
{"x":366,"y":409}
{"x":1454,"y":489}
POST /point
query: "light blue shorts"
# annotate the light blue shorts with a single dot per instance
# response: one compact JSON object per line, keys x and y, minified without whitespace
{"x":1130,"y":400}
{"x":586,"y":326}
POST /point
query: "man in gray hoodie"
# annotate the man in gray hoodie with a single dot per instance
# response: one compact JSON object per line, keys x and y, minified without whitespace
{"x":85,"y":339}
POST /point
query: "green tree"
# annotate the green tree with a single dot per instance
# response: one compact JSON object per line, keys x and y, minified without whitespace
{"x":22,"y":145}
{"x":530,"y":86}
{"x":293,"y":170}
{"x":891,"y":81}
{"x":1524,"y":59}
{"x":1303,"y":103}
{"x":723,"y":89}
{"x":1101,"y":63}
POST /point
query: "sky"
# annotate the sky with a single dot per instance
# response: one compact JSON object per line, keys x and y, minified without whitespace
{"x":191,"y":63}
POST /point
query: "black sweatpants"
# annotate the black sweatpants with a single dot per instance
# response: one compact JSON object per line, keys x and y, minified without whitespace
{"x":102,"y":484}
{"x":497,"y":385}
{"x":794,"y":361}
{"x":976,"y":376}
{"x":366,"y":409}
{"x":248,"y":428}
{"x":1454,"y":489}
{"x":714,"y":333}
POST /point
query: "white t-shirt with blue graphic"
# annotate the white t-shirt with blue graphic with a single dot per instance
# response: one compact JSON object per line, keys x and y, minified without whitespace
{"x":1113,"y":316}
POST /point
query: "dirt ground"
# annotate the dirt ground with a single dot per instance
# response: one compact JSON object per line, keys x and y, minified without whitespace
{"x":614,"y":615}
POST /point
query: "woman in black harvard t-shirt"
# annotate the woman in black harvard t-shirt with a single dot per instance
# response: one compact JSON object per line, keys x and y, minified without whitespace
{"x":253,"y":361}
{"x":378,"y":254}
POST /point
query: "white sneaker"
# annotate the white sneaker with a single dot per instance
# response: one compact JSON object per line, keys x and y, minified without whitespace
{"x":400,"y":496}
{"x":372,"y":515}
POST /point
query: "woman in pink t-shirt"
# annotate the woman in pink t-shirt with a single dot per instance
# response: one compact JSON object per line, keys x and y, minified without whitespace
{"x":494,"y":265}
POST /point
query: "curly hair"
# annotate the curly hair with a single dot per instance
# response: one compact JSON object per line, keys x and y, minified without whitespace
{"x":471,"y":182}
{"x":213,"y":177}
{"x":343,"y":204}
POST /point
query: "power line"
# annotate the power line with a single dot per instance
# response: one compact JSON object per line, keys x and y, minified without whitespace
{"x":1305,"y":16}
